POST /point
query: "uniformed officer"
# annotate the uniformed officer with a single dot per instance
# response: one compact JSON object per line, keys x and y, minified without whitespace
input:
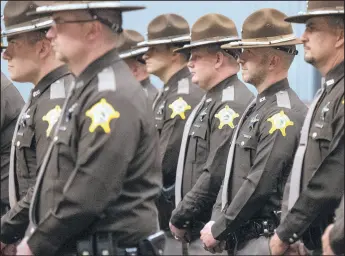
{"x":30,"y":59}
{"x":174,"y":103}
{"x":264,"y":142}
{"x":208,"y":130}
{"x":11,"y":105}
{"x":96,"y":189}
{"x":333,"y":237}
{"x":317,"y":176}
{"x":133,"y":57}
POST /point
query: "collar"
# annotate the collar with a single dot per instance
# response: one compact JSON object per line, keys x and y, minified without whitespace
{"x":334,"y":75}
{"x":173,"y":81}
{"x":231,"y":80}
{"x":146,"y":82}
{"x":47,"y":80}
{"x":96,"y":66}
{"x":272,"y":90}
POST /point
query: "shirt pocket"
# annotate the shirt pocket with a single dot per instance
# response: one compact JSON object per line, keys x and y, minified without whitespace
{"x":322,"y":133}
{"x":248,"y":143}
{"x":26,"y":153}
{"x":199,"y":132}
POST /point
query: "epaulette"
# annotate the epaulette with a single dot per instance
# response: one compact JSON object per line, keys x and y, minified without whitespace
{"x":283,"y":99}
{"x":106,"y":80}
{"x":228,"y":93}
{"x":57,"y":89}
{"x":183,"y":86}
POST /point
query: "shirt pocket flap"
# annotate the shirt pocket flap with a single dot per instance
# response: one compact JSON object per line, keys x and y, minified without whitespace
{"x":25,"y":141}
{"x":198,"y":131}
{"x":321,"y":132}
{"x":247,"y":141}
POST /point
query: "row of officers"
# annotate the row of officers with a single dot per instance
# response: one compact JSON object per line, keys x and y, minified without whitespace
{"x":99,"y":162}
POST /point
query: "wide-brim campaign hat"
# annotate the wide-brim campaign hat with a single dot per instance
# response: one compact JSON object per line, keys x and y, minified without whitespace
{"x":126,"y":41}
{"x":47,"y":8}
{"x":167,"y":29}
{"x":16,"y":20}
{"x":265,"y":28}
{"x":210,"y":29}
{"x":318,"y":8}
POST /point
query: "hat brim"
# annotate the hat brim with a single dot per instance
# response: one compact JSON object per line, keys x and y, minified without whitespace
{"x":244,"y":45}
{"x":189,"y":47}
{"x":302,"y":18}
{"x":133,"y":53}
{"x":50,"y":8}
{"x":34,"y":25}
{"x":159,"y":41}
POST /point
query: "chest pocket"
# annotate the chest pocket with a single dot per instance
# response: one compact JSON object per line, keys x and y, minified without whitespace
{"x":248,"y":142}
{"x":322,"y":133}
{"x":159,"y":116}
{"x":198,"y":133}
{"x":25,"y":134}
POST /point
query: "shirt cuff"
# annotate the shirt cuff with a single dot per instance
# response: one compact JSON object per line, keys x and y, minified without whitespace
{"x":287,"y":233}
{"x":219,"y":229}
{"x":336,"y":244}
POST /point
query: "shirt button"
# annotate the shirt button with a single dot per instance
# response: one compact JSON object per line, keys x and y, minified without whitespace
{"x":291,"y":240}
{"x":193,"y":133}
{"x":32,"y":230}
{"x":56,"y":138}
{"x":18,"y":143}
{"x":295,"y":235}
{"x":242,"y":143}
{"x":314,"y":135}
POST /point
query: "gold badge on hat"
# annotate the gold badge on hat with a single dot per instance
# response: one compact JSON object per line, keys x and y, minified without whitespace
{"x":226,"y":116}
{"x":279,"y":122}
{"x":179,"y":107}
{"x":101,"y":114}
{"x":52,"y":117}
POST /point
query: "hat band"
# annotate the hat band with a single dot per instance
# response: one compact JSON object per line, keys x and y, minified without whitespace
{"x":165,"y":41}
{"x":264,"y":40}
{"x":210,"y":41}
{"x":133,"y":53}
{"x":37,"y":26}
{"x":81,"y":6}
{"x":320,"y":12}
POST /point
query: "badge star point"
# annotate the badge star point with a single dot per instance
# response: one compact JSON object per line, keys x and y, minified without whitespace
{"x":52,"y":117}
{"x":280,"y":121}
{"x":101,"y":114}
{"x":179,"y":107}
{"x":226,"y":116}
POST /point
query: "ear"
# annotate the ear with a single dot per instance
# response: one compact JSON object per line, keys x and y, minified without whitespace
{"x":219,"y":60}
{"x":273,"y":62}
{"x":92,"y":30}
{"x":43,"y":48}
{"x":340,"y":39}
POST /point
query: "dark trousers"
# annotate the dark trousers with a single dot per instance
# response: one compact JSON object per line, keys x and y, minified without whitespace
{"x":4,"y":208}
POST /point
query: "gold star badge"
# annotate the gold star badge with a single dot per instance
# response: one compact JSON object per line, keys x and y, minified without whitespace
{"x":179,"y":107}
{"x":226,"y":116}
{"x":279,"y":122}
{"x":52,"y":117}
{"x":101,"y":114}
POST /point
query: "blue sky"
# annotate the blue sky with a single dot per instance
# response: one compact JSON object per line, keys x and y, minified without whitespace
{"x":238,"y":11}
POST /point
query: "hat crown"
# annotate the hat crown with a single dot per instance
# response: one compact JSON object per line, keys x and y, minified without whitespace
{"x":167,"y":26}
{"x":15,"y":12}
{"x":324,"y":5}
{"x":266,"y":22}
{"x":213,"y":25}
{"x":128,"y":39}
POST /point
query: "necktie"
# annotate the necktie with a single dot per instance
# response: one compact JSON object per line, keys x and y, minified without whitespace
{"x":12,"y":171}
{"x":182,"y":153}
{"x":231,"y":154}
{"x":160,"y":92}
{"x":296,"y":171}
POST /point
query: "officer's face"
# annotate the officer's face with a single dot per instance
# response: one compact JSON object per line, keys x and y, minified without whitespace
{"x":23,"y":57}
{"x":158,"y":59}
{"x":202,"y":66}
{"x":319,"y":41}
{"x":254,"y":65}
{"x":68,"y":38}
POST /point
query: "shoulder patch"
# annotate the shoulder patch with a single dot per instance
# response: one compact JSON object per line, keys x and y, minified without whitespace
{"x":101,"y":114}
{"x":280,"y":121}
{"x":228,"y":94}
{"x":57,"y":89}
{"x":226,"y":116}
{"x":106,"y":80}
{"x":52,"y":117}
{"x":183,"y":86}
{"x":179,"y":107}
{"x":283,"y":99}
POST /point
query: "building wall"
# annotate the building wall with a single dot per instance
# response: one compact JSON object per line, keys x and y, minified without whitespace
{"x":303,"y":77}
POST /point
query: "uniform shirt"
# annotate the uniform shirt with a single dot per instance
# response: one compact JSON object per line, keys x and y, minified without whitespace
{"x":31,"y":143}
{"x":262,"y":158}
{"x":171,"y":109}
{"x":11,"y":104}
{"x":103,"y":170}
{"x":150,"y":90}
{"x":336,"y":235}
{"x":207,"y":149}
{"x":323,"y":167}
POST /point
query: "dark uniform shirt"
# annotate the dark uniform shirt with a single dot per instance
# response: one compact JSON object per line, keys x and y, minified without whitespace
{"x":336,"y":235}
{"x":150,"y":90}
{"x":262,"y":158}
{"x":207,"y":149}
{"x":31,"y":143}
{"x":171,"y":110}
{"x":103,"y":171}
{"x":323,"y":167}
{"x":11,"y":104}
